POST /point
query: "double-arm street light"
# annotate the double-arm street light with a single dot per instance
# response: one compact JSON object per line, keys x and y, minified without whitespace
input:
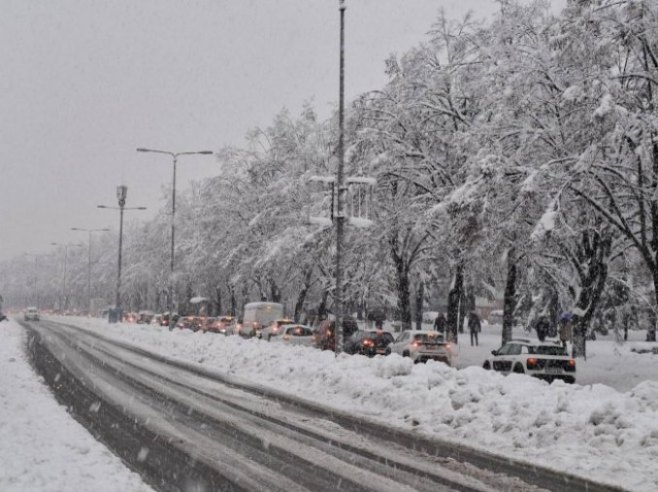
{"x":174,"y":156}
{"x":122,"y":192}
{"x":64,"y":304}
{"x":89,"y":231}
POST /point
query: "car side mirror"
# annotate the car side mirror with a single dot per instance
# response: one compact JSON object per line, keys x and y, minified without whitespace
{"x":494,"y":352}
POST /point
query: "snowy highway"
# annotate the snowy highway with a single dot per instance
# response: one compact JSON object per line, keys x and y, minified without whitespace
{"x":184,"y":428}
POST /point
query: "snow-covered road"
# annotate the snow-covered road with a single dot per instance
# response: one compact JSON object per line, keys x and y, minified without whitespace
{"x":202,"y":430}
{"x":592,"y":430}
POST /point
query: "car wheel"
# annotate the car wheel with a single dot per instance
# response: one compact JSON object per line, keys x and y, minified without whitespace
{"x":486,"y":365}
{"x":388,"y":351}
{"x":405,"y":353}
{"x":518,"y":368}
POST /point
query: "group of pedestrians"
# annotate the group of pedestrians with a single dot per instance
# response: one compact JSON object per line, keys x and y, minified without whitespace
{"x":474,"y":325}
{"x":544,"y":328}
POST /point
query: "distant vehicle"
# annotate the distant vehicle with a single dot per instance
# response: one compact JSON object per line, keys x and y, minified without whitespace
{"x":423,"y":345}
{"x":194,"y":323}
{"x":368,"y":343}
{"x":258,"y":315}
{"x":429,"y":317}
{"x":31,"y":314}
{"x":226,"y":325}
{"x":145,"y":317}
{"x":325,"y":337}
{"x":275,"y":328}
{"x":296,"y":335}
{"x":543,"y":360}
{"x":495,"y":317}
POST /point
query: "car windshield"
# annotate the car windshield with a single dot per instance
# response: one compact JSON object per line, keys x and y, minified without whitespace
{"x":547,"y":350}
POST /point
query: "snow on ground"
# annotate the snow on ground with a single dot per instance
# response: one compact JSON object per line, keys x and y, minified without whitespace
{"x":605,"y":427}
{"x":41,"y":447}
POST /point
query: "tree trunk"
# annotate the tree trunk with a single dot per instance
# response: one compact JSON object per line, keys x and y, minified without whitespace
{"x":322,"y":308}
{"x":301,"y":298}
{"x":217,"y":308}
{"x":274,"y":291}
{"x":420,"y":297}
{"x":463,"y":309}
{"x":404,"y":295}
{"x":455,"y":294}
{"x":595,"y":253}
{"x":509,"y":302}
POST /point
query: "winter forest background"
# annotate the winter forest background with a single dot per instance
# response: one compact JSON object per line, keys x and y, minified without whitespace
{"x":516,"y":157}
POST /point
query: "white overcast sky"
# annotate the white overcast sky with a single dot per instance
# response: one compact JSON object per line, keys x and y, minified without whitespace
{"x":86,"y":82}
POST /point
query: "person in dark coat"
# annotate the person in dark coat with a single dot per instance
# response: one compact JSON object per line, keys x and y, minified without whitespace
{"x":543,"y":327}
{"x":440,"y":323}
{"x":474,"y":326}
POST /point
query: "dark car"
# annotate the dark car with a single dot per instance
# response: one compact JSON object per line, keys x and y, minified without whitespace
{"x":368,"y":343}
{"x":325,"y":338}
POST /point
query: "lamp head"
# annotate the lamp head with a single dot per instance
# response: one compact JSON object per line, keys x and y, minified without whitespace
{"x":122,"y":192}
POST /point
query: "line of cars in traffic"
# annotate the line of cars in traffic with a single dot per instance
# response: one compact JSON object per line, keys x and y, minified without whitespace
{"x":265,"y":320}
{"x":260,"y":322}
{"x":548,"y":360}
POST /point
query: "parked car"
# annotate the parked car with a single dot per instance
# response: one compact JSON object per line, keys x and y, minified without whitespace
{"x":423,"y":345}
{"x":296,"y":335}
{"x":31,"y":314}
{"x":325,"y":335}
{"x":275,"y":328}
{"x":368,"y":343}
{"x":544,"y":360}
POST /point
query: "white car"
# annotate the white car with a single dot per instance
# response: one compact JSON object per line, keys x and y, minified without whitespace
{"x":423,"y":345}
{"x":31,"y":314}
{"x":544,"y":360}
{"x":296,"y":335}
{"x":275,"y":328}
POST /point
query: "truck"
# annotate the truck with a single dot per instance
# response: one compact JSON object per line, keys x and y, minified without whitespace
{"x":258,"y":315}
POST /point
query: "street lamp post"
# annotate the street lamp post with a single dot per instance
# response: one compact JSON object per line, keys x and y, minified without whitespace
{"x":89,"y":231}
{"x":174,"y":156}
{"x":122,"y":192}
{"x":340,"y":186}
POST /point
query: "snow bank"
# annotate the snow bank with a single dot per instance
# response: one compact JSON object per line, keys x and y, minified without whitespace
{"x":42,"y":447}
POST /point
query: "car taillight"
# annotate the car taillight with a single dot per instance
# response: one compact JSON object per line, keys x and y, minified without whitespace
{"x":531,"y":363}
{"x":415,"y":344}
{"x":367,"y":342}
{"x":275,"y":329}
{"x":448,"y":346}
{"x":571,"y":365}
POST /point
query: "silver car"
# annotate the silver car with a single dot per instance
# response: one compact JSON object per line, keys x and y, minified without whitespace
{"x":423,"y":345}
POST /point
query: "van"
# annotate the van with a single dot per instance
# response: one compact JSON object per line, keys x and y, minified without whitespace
{"x":31,"y":314}
{"x":258,"y":315}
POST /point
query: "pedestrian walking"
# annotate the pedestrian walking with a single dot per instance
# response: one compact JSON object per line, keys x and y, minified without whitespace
{"x":440,"y":323}
{"x":566,"y":329}
{"x":474,"y":327}
{"x":542,"y":327}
